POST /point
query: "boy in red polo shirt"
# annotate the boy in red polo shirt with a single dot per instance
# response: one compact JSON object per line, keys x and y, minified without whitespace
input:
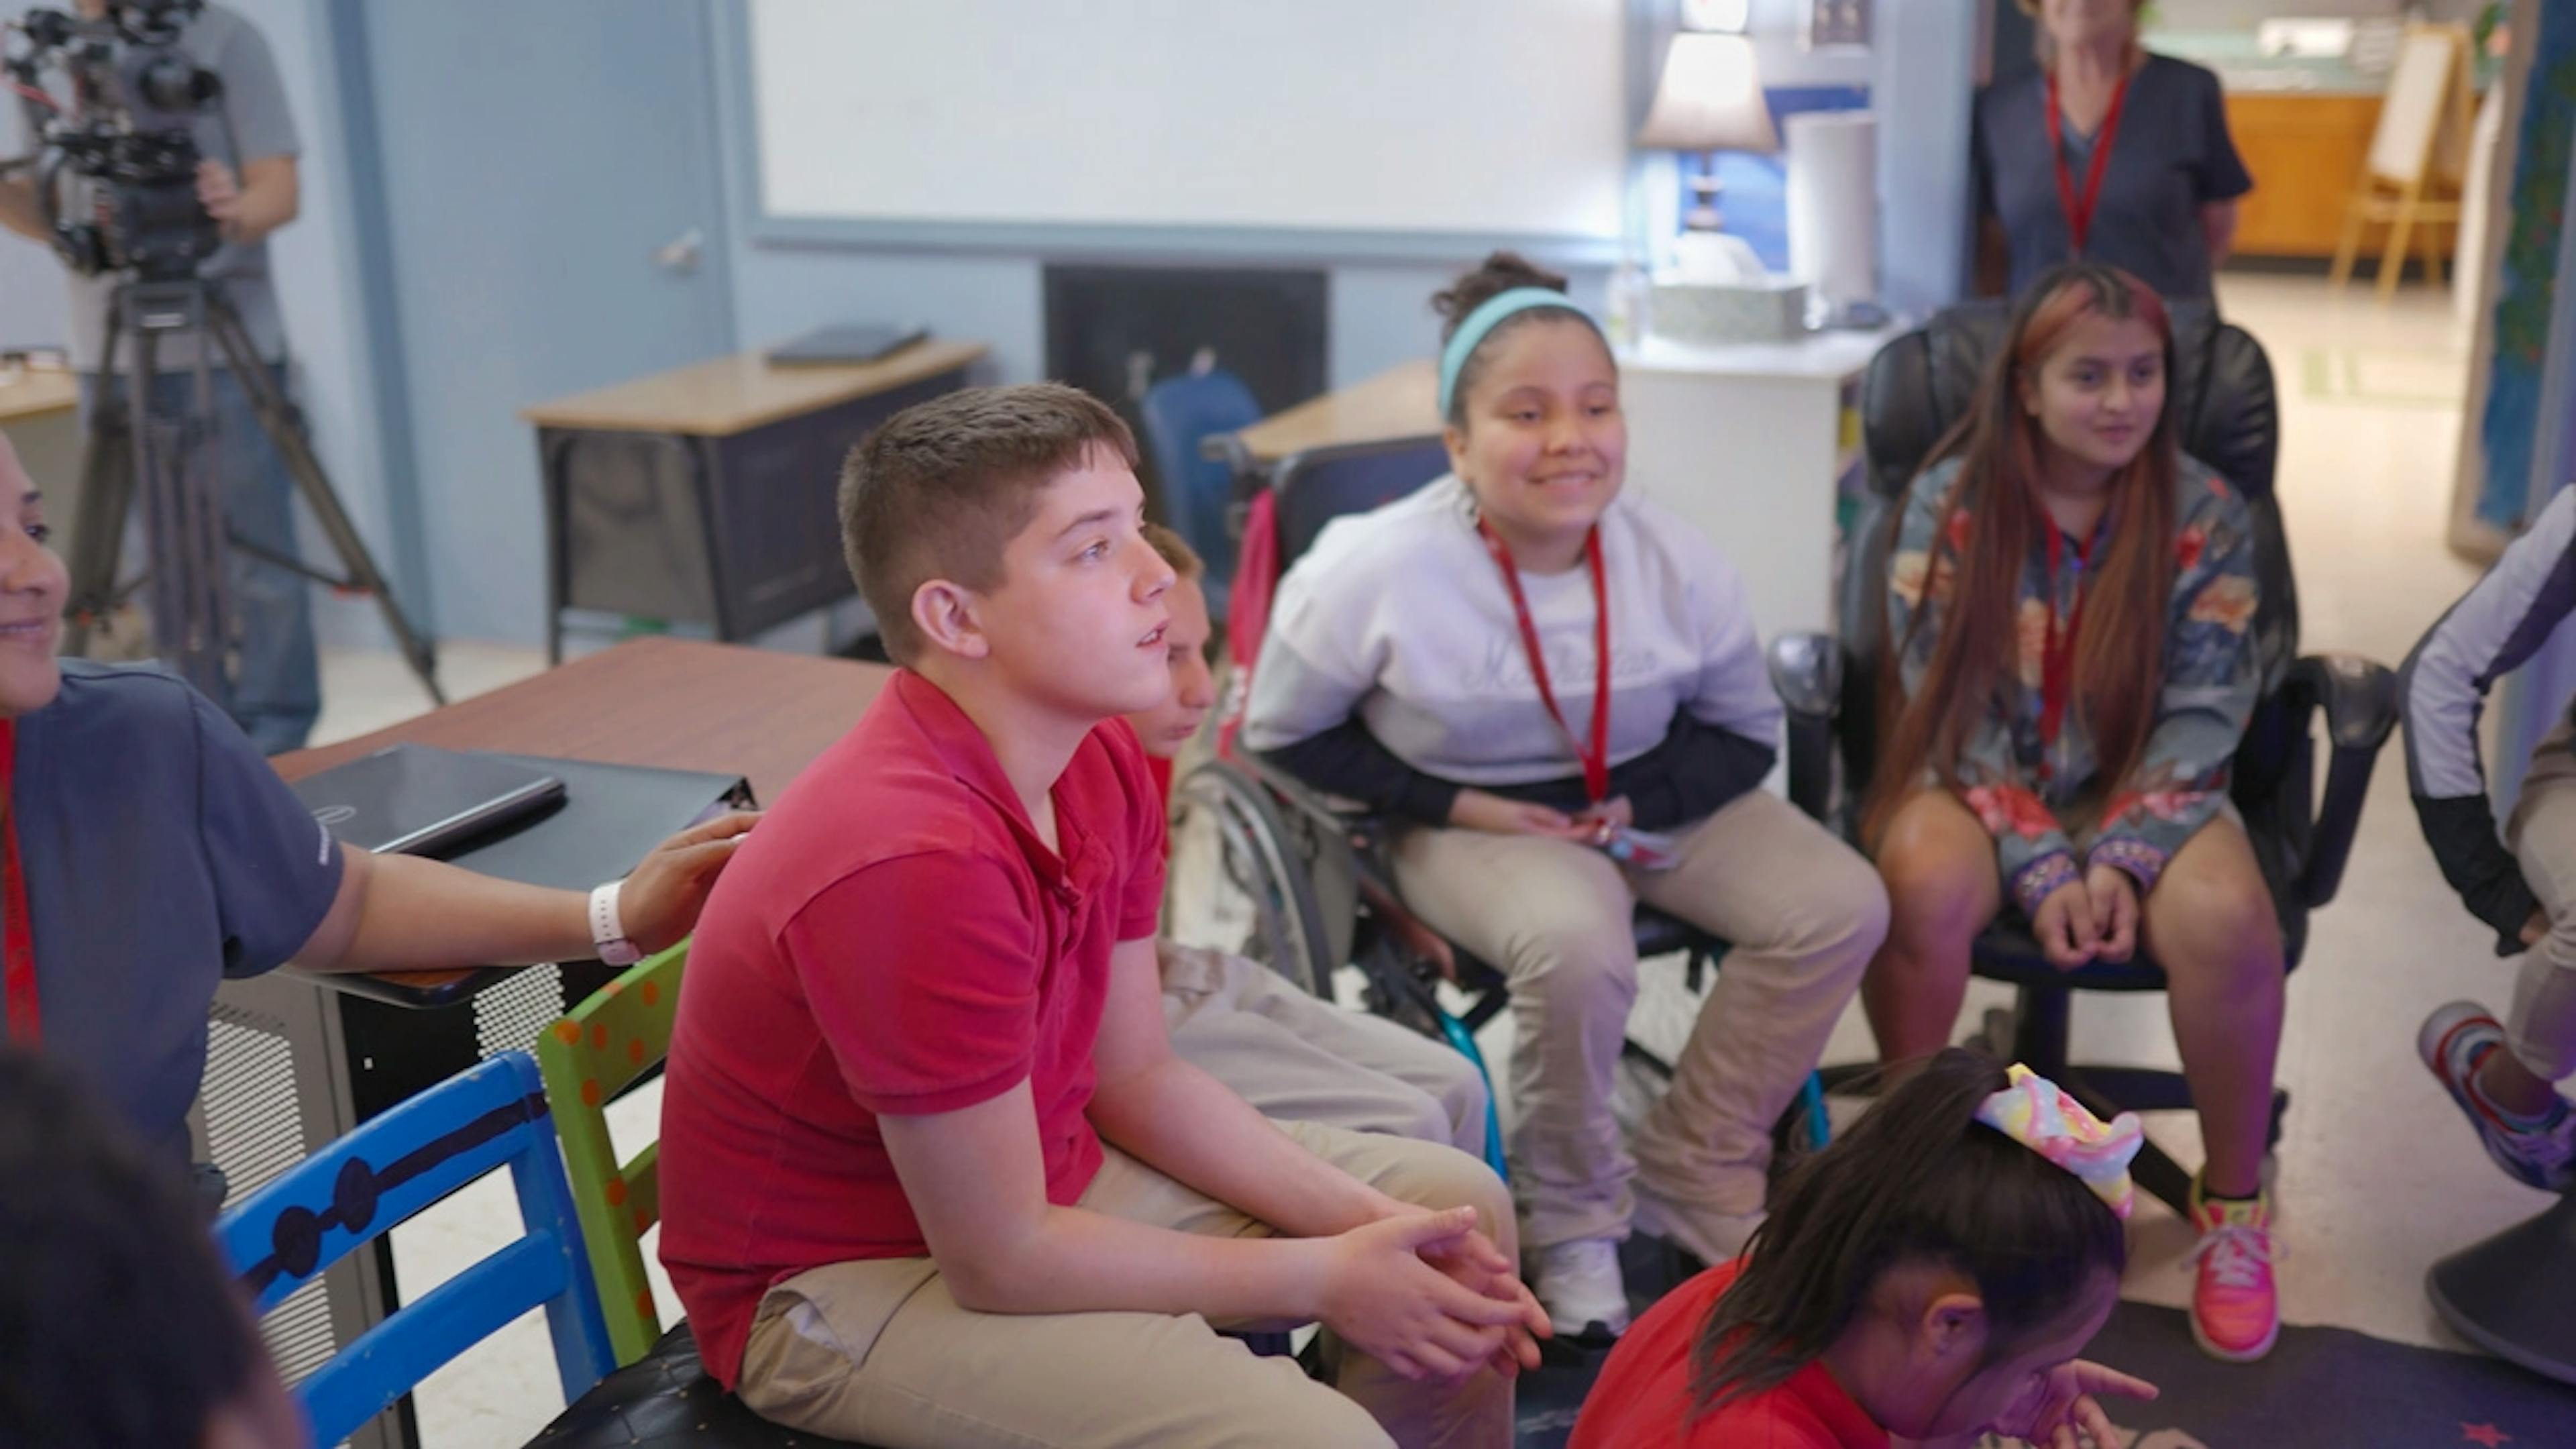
{"x":931,"y":1173}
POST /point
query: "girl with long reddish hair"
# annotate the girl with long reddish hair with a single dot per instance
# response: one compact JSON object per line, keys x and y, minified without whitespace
{"x":2070,"y":606}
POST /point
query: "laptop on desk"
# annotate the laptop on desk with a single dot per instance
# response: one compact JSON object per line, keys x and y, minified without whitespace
{"x":846,"y":343}
{"x":416,"y":800}
{"x":612,"y":815}
{"x":599,"y":822}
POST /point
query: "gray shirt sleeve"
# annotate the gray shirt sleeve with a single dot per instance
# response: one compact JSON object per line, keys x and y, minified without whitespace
{"x":254,"y":96}
{"x":2489,"y":633}
{"x":275,"y":868}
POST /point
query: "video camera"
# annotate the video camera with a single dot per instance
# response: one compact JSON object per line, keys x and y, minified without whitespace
{"x":127,"y":129}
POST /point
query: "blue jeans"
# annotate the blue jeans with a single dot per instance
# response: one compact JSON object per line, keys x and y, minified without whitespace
{"x":276,"y":687}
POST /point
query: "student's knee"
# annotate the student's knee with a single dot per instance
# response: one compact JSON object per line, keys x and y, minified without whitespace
{"x":1418,"y":1114}
{"x":2558,"y":943}
{"x":1847,"y":913}
{"x":2221,"y":923}
{"x":1575,"y":964}
{"x":1436,"y":1176}
{"x":1940,"y":892}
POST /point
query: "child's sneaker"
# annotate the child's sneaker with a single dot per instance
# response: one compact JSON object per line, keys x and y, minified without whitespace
{"x":2235,"y":1306}
{"x":1580,"y":1286}
{"x":2453,"y":1042}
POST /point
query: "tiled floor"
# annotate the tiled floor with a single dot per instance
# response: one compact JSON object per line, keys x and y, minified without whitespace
{"x":2377,"y":1176}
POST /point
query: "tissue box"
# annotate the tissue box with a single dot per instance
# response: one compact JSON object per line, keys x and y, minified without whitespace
{"x":1709,"y":314}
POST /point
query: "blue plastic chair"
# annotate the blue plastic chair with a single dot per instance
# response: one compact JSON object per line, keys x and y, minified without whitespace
{"x":1181,"y":413}
{"x":355,"y":1190}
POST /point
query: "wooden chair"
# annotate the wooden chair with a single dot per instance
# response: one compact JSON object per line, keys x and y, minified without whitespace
{"x":660,"y":1393}
{"x":399,"y":1162}
{"x":2418,"y":155}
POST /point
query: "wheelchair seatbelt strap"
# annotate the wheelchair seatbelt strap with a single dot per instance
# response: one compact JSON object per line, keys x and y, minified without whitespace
{"x":1594,"y":753}
{"x":24,"y":1018}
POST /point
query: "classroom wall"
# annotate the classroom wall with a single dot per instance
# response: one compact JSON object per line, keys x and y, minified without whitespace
{"x":315,"y":263}
{"x":33,"y":310}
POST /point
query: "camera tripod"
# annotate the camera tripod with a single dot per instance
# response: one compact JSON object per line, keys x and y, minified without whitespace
{"x":134,"y":450}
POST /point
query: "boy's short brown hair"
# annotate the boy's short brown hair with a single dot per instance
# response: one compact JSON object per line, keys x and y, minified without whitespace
{"x":940,"y":489}
{"x":1176,"y":551}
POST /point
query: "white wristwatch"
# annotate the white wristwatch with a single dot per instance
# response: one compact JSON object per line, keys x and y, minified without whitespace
{"x":608,"y":929}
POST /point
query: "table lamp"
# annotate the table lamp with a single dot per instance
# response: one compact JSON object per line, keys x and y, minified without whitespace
{"x":1710,"y":99}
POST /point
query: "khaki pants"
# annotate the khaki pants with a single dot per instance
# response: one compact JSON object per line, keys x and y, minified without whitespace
{"x":1300,"y":1059}
{"x":1804,"y":913}
{"x":879,"y":1351}
{"x":2541,"y":1027}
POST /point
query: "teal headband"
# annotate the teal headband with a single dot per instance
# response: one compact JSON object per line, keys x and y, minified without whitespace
{"x":1462,"y":343}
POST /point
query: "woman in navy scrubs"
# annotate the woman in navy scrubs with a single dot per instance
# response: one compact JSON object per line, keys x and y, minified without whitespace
{"x":147,"y":852}
{"x":2108,"y":154}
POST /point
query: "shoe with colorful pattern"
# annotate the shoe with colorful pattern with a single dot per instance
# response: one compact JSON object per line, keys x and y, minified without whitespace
{"x":2541,"y":1152}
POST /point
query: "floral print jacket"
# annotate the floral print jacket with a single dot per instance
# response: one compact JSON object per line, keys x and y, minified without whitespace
{"x":2016,"y":781}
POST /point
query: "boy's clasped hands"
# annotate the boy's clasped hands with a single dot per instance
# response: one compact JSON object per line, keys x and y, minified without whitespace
{"x":1428,"y":1295}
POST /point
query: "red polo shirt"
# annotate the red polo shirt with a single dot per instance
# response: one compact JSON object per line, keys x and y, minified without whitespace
{"x":894,"y":938}
{"x":1643,"y":1395}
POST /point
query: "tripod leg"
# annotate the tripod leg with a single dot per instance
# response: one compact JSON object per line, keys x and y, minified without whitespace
{"x":190,"y":629}
{"x":98,"y":519}
{"x":277,"y":418}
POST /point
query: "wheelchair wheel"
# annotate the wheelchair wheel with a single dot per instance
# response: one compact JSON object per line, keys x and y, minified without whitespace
{"x":1241,"y":882}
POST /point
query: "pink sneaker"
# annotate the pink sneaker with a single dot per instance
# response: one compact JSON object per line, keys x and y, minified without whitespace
{"x":2235,"y":1307}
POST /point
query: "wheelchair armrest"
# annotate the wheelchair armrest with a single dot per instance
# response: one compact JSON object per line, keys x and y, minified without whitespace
{"x":2359,"y":698}
{"x":1363,"y":833}
{"x":1807,"y":674}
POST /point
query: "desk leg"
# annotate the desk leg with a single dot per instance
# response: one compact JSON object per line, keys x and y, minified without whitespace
{"x":554,"y":473}
{"x":706,"y":465}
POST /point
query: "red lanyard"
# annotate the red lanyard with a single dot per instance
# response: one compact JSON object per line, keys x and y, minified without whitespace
{"x":2056,"y":652}
{"x":1595,"y":755}
{"x":21,"y":937}
{"x":2079,"y":211}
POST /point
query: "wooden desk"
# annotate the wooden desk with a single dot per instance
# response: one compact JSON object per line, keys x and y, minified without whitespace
{"x":37,"y":392}
{"x":676,"y":704}
{"x":1401,"y":402}
{"x":294,"y":1064}
{"x":706,"y":494}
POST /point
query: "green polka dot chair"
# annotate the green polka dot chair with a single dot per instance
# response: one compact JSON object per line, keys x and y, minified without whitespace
{"x":661,"y":1395}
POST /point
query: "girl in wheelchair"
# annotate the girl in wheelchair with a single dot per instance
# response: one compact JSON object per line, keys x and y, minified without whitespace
{"x":1555,"y":686}
{"x":2069,"y":608}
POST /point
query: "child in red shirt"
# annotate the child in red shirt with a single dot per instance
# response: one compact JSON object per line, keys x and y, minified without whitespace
{"x":932,"y":1175}
{"x":1932,"y":1274}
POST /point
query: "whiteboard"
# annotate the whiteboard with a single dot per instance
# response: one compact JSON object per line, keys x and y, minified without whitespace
{"x":1483,"y":116}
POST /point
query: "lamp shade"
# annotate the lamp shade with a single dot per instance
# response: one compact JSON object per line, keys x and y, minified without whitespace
{"x":1710,"y":98}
